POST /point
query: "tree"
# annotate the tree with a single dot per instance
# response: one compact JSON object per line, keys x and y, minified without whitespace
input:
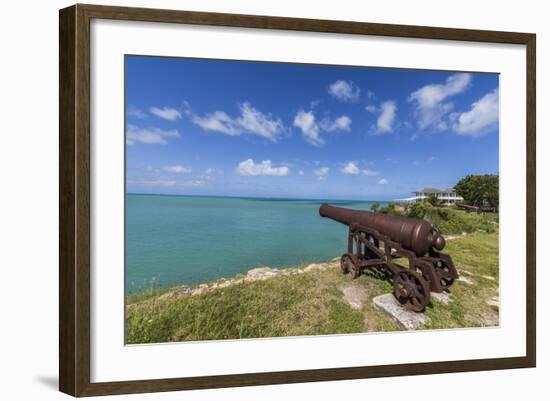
{"x":433,"y":200}
{"x":479,"y":190}
{"x":391,"y":210}
{"x":375,"y":207}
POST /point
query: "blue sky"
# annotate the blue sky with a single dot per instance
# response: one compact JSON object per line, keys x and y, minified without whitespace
{"x":232,"y":128}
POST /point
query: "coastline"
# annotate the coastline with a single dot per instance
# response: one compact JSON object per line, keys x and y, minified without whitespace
{"x":168,"y":237}
{"x":255,"y":274}
{"x":313,"y":299}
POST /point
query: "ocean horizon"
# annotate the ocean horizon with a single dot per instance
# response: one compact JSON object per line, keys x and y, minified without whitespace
{"x":262,"y":197}
{"x":174,"y":239}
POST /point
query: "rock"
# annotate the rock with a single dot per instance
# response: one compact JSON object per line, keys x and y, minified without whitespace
{"x":452,"y":237}
{"x":441,"y":297}
{"x":465,"y":280}
{"x":355,"y":296}
{"x":199,"y":291}
{"x":225,"y":283}
{"x":178,"y":292}
{"x":405,"y":318}
{"x":493,"y":301}
{"x":261,"y":273}
{"x":466,"y":272}
{"x":312,"y":266}
{"x":259,"y":270}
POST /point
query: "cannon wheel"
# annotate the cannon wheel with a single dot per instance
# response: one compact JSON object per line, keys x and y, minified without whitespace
{"x":429,"y":272}
{"x":345,"y":263}
{"x":444,"y":275}
{"x":348,"y":264}
{"x":411,"y":290}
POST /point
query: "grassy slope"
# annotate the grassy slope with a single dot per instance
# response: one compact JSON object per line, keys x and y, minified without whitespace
{"x":311,"y":303}
{"x":476,"y":256}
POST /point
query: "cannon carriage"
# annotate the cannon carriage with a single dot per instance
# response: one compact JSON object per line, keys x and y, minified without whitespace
{"x":378,"y":243}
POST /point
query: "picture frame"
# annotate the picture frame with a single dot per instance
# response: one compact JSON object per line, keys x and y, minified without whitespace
{"x":75,"y":199}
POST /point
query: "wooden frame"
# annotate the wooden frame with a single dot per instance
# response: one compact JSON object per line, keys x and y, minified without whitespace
{"x":74,"y":199}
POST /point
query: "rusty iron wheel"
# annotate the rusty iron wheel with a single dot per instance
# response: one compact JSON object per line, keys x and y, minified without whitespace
{"x":354,"y":271}
{"x":345,"y":263}
{"x":444,"y":275}
{"x":422,"y":271}
{"x":411,"y":290}
{"x":350,"y":264}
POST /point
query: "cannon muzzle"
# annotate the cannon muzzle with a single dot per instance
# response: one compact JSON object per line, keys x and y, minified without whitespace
{"x":416,"y":235}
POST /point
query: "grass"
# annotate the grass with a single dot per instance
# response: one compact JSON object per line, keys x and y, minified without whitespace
{"x":301,"y":304}
{"x":448,"y":219}
{"x":476,"y":256}
{"x":312,"y":303}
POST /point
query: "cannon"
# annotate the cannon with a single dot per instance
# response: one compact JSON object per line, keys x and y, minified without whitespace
{"x":377,"y":241}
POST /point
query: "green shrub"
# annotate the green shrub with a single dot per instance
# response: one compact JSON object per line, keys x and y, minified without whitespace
{"x":451,"y":221}
{"x":419,"y":210}
{"x":391,"y":210}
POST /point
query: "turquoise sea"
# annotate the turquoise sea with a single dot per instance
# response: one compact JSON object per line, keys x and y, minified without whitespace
{"x":173,"y":240}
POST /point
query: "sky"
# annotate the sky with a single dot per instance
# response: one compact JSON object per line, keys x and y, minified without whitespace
{"x":257,"y":129}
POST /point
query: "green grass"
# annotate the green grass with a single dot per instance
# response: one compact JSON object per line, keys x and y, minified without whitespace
{"x":452,"y":221}
{"x":476,"y":255}
{"x":294,"y":305}
{"x":311,"y":303}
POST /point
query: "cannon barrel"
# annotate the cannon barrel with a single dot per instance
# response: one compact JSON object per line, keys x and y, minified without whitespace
{"x":416,"y":235}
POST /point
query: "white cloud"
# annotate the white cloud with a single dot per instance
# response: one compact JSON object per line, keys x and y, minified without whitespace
{"x":386,"y":118}
{"x":427,"y":160}
{"x":166,"y":113}
{"x":218,"y":121}
{"x":137,"y":113}
{"x":321,"y":173}
{"x":482,"y":116}
{"x":213,"y":171}
{"x":250,"y":121}
{"x":166,"y":183}
{"x":249,"y":168}
{"x":383,"y":181}
{"x":305,"y":120}
{"x":256,"y":122}
{"x":371,"y":108}
{"x":301,"y":172}
{"x":345,"y":91}
{"x":152,"y":135}
{"x":194,"y":183}
{"x":311,"y":129}
{"x":369,"y":173}
{"x":429,"y":100}
{"x":177,"y":169}
{"x":350,"y":168}
{"x":342,"y":123}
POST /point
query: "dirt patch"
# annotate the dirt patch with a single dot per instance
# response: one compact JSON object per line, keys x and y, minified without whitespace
{"x":356,"y":296}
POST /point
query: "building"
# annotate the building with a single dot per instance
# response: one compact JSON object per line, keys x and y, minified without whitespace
{"x":446,"y":196}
